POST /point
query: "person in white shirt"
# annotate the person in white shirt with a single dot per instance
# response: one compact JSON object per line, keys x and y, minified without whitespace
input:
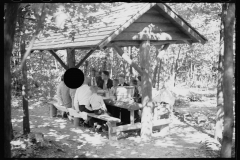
{"x":98,"y":107}
{"x":82,"y":96}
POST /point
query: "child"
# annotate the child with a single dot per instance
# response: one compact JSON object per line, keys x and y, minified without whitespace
{"x":99,"y":107}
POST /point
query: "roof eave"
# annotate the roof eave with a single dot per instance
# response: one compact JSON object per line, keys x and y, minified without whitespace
{"x":182,"y":23}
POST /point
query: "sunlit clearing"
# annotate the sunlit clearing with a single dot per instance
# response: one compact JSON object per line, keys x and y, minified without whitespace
{"x":165,"y":144}
{"x":136,"y":139}
{"x":133,"y":152}
{"x":44,"y":125}
{"x":61,"y":137}
{"x":76,"y":130}
{"x":65,"y":144}
{"x":31,"y":107}
{"x":95,"y":140}
{"x":60,"y":120}
{"x":52,"y":134}
{"x":62,"y":125}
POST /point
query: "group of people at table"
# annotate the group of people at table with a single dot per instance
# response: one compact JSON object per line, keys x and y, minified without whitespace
{"x":86,"y":98}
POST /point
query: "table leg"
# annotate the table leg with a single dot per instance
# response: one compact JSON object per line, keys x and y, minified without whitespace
{"x":132,"y":117}
{"x":111,"y":135}
{"x":53,"y":111}
{"x":76,"y":121}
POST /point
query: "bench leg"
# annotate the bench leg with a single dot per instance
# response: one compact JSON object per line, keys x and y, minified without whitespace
{"x":76,"y":121}
{"x":53,"y":111}
{"x":165,"y":129}
{"x":111,"y":135}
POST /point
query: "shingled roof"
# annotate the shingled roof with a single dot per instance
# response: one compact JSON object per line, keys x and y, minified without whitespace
{"x":123,"y":24}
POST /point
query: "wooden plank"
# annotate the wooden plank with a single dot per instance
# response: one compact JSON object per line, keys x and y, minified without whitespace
{"x":139,"y":125}
{"x":152,"y":11}
{"x":58,"y":59}
{"x":169,"y":35}
{"x":154,"y":27}
{"x":125,"y":105}
{"x":125,"y":25}
{"x":61,"y":108}
{"x":126,"y":58}
{"x":63,"y":46}
{"x":104,"y":117}
{"x":62,"y":39}
{"x":123,"y":43}
{"x":84,"y":58}
{"x":181,"y":23}
{"x":152,"y":18}
{"x":132,"y":117}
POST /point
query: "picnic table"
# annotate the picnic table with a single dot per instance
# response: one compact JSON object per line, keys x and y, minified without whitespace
{"x":131,"y":106}
{"x":111,"y":121}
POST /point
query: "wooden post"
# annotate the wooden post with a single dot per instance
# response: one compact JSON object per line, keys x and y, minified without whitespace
{"x":126,"y":58}
{"x":76,"y":121}
{"x":26,"y":125}
{"x":84,"y":58}
{"x":146,"y":80}
{"x":111,"y":135}
{"x":71,"y":58}
{"x":53,"y":111}
{"x":132,"y":116}
{"x":58,"y":59}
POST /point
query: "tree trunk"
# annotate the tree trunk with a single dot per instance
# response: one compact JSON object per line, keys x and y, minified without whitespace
{"x":159,"y":72}
{"x":146,"y":130}
{"x":155,"y":74}
{"x":228,"y":23}
{"x":131,"y":57}
{"x":219,"y":116}
{"x":26,"y":126}
{"x":9,"y":31}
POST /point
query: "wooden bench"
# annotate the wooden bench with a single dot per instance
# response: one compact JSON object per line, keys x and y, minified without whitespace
{"x":111,"y":121}
{"x":162,"y":124}
{"x":54,"y":106}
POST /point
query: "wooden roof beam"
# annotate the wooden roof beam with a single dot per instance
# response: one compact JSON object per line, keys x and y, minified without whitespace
{"x":126,"y":58}
{"x":58,"y":59}
{"x":191,"y":32}
{"x":84,"y":58}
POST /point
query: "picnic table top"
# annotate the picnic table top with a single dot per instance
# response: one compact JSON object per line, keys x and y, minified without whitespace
{"x":111,"y":102}
{"x":121,"y":104}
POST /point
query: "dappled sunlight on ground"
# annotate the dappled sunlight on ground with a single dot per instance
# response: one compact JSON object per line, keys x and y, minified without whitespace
{"x":182,"y":142}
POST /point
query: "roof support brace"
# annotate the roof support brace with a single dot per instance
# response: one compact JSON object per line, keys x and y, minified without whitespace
{"x":58,"y":59}
{"x":126,"y":58}
{"x":84,"y":58}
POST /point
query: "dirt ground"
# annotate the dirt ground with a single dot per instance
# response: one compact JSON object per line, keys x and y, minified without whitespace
{"x":68,"y":142}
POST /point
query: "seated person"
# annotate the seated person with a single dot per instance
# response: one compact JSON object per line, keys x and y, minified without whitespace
{"x":107,"y":82}
{"x":137,"y":98}
{"x":98,"y":107}
{"x":114,"y":87}
{"x":139,"y":86}
{"x":125,"y":114}
{"x":114,"y":111}
{"x":136,"y":95}
{"x":81,"y":100}
{"x":122,"y":80}
{"x":99,"y":80}
{"x":63,"y":96}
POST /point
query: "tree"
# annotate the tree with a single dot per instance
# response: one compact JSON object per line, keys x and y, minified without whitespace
{"x":219,"y":116}
{"x":228,"y":23}
{"x":9,"y":31}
